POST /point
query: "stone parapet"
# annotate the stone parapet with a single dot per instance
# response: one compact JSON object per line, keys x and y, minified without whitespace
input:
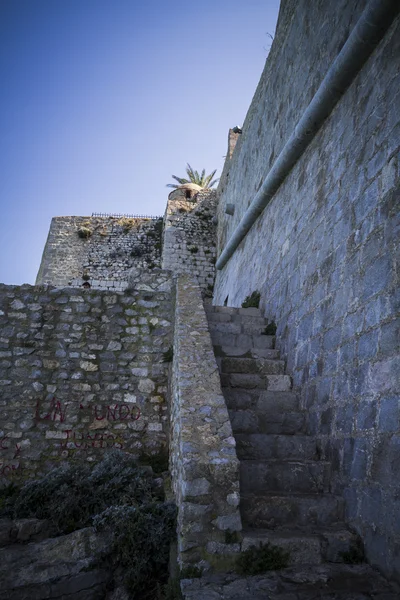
{"x":203,"y":461}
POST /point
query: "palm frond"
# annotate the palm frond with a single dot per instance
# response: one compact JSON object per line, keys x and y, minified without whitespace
{"x":210,"y":185}
{"x":201,"y":180}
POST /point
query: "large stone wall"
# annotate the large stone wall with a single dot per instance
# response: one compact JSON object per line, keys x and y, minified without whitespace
{"x":324,"y":255}
{"x":103,"y":259}
{"x":81,"y":371}
{"x":189,"y":239}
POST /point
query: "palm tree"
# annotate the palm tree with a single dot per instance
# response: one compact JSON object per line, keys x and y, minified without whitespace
{"x":202,"y":180}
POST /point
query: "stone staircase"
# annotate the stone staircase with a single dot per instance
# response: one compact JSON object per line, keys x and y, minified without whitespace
{"x":285,"y":497}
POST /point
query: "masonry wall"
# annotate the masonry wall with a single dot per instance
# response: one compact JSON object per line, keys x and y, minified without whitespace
{"x":104,"y":258}
{"x":324,"y":255}
{"x":81,"y":372}
{"x":203,"y":462}
{"x":189,"y":239}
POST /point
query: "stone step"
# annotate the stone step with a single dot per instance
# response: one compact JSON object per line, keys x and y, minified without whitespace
{"x":254,"y":322}
{"x":230,"y":310}
{"x":222,"y":351}
{"x":255,"y":446}
{"x":248,"y":327}
{"x":276,"y":383}
{"x":259,"y":366}
{"x":269,"y":403}
{"x":305,"y":548}
{"x":231,"y":336}
{"x":281,"y":423}
{"x":330,"y":581}
{"x":271,"y":511}
{"x":288,"y":476}
{"x":272,"y":402}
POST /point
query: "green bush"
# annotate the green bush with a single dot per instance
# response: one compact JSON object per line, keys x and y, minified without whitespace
{"x":191,"y":572}
{"x":258,"y":559}
{"x":252,"y":301}
{"x":270,"y":329}
{"x":116,"y":494}
{"x":141,"y":540}
{"x":355,"y":555}
{"x":71,"y":495}
{"x":84,"y":232}
{"x":168,"y":355}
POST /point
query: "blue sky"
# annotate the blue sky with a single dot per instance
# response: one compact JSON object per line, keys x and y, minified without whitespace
{"x":103,"y":100}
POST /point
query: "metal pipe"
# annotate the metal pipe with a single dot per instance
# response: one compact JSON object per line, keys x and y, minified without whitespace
{"x":369,"y":30}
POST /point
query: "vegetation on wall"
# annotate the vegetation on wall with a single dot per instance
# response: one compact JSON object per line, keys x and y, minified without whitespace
{"x":252,"y":301}
{"x":203,"y":180}
{"x":84,"y":232}
{"x":262,"y":558}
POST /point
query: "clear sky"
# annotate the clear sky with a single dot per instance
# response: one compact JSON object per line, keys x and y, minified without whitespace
{"x":103,"y":100}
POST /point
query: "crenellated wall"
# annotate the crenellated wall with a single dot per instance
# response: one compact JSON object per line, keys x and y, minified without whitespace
{"x":324,"y":254}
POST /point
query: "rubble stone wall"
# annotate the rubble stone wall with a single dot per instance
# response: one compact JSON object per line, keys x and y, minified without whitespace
{"x":189,"y":243}
{"x":203,"y":462}
{"x":103,"y":259}
{"x":81,"y":371}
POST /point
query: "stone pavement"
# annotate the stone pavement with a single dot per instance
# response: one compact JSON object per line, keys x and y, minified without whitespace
{"x":320,"y":582}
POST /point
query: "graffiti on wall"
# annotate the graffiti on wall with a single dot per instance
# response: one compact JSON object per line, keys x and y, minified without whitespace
{"x":57,"y":411}
{"x":10,"y":466}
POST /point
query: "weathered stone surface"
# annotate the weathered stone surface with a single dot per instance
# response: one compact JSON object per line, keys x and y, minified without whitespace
{"x":203,"y":461}
{"x":323,"y":254}
{"x":189,"y":240}
{"x":56,"y":567}
{"x":74,"y":392}
{"x":322,"y":582}
{"x":104,"y":259}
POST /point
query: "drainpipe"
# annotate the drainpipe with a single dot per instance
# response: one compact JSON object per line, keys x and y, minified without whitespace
{"x":369,"y":30}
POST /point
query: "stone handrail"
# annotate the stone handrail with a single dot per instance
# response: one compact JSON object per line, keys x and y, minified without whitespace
{"x":203,"y":461}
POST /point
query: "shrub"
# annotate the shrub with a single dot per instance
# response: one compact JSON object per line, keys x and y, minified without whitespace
{"x":117,"y":495}
{"x":258,"y":559}
{"x":270,"y":329}
{"x":141,"y":540}
{"x":252,"y":301}
{"x":168,"y":355}
{"x":355,"y":555}
{"x":127,"y":223}
{"x":191,"y":572}
{"x":84,"y":232}
{"x":71,"y":495}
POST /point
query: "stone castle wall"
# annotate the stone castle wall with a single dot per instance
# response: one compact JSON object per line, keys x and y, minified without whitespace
{"x":81,"y":371}
{"x":104,"y":259}
{"x":189,"y":239}
{"x":324,"y":254}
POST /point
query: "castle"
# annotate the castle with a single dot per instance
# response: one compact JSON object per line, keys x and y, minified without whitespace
{"x":112,"y":346}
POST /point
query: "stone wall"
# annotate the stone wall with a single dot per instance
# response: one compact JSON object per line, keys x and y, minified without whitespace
{"x":324,"y":255}
{"x":104,"y":258}
{"x":189,"y":242}
{"x":80,"y":372}
{"x":203,"y":462}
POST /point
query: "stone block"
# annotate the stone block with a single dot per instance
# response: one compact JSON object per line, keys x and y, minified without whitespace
{"x":389,"y":414}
